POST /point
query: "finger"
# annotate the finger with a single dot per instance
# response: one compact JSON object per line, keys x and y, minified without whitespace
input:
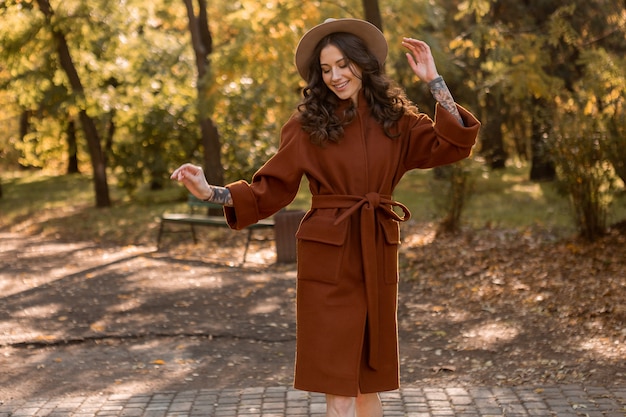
{"x":414,"y":43}
{"x":409,"y":46}
{"x":176,"y":175}
{"x":417,"y":46}
{"x":415,"y":65}
{"x":412,"y":61}
{"x":181,"y":171}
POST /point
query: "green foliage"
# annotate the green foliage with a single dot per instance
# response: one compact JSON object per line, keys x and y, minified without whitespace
{"x":589,"y":140}
{"x":583,"y":172}
{"x":138,"y":70}
{"x":604,"y":97}
{"x":568,"y":58}
{"x":60,"y":205}
{"x":159,"y":139}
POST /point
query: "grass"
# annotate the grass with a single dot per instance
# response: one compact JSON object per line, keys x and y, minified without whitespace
{"x":63,"y":206}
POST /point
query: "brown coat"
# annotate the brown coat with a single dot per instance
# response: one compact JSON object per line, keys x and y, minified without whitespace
{"x":348,"y":242}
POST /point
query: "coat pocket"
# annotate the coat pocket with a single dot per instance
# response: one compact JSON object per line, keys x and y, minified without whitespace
{"x":391,"y":230}
{"x":321,"y":246}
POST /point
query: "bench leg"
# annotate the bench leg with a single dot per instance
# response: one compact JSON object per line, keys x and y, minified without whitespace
{"x":162,"y":230}
{"x":245,"y":250}
{"x":159,"y":235}
{"x":193,"y":234}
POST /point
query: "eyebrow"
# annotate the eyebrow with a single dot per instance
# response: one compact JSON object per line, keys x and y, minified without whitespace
{"x":336,"y":62}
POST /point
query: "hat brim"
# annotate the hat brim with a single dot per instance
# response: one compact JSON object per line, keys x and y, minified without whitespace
{"x":370,"y":34}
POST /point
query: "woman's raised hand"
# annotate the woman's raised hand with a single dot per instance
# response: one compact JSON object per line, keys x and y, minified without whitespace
{"x":420,"y":59}
{"x":192,"y":177}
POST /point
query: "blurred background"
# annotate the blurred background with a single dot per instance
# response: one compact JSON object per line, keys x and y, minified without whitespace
{"x":119,"y":93}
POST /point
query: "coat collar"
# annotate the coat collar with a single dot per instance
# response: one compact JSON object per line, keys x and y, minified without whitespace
{"x":361,"y":105}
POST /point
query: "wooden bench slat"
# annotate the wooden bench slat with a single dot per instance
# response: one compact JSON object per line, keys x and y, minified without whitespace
{"x":203,"y":219}
{"x":194,"y":218}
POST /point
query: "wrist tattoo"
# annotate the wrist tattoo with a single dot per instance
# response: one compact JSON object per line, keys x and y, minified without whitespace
{"x":441,"y":93}
{"x":220,"y":195}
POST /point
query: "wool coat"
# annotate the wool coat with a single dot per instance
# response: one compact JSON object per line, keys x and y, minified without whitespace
{"x":347,"y":253}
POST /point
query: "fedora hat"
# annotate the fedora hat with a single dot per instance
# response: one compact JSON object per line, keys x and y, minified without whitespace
{"x":370,"y":34}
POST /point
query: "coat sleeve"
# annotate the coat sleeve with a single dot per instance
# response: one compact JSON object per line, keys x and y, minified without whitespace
{"x":441,"y":142}
{"x":273,"y":186}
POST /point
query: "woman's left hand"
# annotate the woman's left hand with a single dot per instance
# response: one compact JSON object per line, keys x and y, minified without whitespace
{"x":420,"y":59}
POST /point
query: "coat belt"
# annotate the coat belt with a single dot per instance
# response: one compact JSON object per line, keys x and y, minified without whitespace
{"x":367,"y":206}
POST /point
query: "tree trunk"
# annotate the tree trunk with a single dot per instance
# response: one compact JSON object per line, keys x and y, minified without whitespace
{"x":372,"y":13}
{"x":110,"y":134}
{"x":89,"y":127}
{"x":492,"y":141}
{"x":24,"y":124}
{"x":542,"y":166}
{"x":72,"y":148}
{"x":203,"y":46}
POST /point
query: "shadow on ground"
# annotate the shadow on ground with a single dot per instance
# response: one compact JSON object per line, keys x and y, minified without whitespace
{"x":478,"y":309}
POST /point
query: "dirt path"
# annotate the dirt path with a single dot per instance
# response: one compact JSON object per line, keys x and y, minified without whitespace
{"x":80,"y":319}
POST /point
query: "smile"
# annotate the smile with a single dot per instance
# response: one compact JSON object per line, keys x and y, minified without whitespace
{"x":342,"y":85}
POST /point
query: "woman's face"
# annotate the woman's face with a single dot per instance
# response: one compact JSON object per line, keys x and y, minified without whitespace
{"x":341,"y":77}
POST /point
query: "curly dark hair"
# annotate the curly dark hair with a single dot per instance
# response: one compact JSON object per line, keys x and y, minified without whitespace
{"x":317,"y":110}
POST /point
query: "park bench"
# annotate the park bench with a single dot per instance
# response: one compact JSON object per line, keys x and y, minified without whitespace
{"x":195,"y":218}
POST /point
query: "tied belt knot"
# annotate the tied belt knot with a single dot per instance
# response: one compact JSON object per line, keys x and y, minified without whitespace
{"x":368,"y":206}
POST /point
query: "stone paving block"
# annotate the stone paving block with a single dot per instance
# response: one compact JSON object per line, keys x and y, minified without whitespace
{"x":181,"y":406}
{"x":132,"y":412}
{"x":108,"y":407}
{"x":416,"y":410}
{"x":442,"y":413}
{"x":207,"y":410}
{"x":302,"y":410}
{"x":436,"y":395}
{"x":513,"y":409}
{"x":543,"y":401}
{"x":318,"y":408}
{"x":297,"y":395}
{"x":439,"y":405}
{"x":480,"y":392}
{"x":459,"y":400}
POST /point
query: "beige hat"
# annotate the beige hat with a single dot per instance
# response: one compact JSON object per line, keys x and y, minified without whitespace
{"x":370,"y":34}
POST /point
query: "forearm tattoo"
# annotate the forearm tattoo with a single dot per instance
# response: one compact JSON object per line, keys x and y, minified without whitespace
{"x":442,"y":94}
{"x":220,"y":195}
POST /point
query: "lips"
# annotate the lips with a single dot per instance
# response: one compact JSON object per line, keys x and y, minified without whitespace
{"x":341,"y":86}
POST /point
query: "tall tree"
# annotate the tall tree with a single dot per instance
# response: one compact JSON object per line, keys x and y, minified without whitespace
{"x":202,"y":43}
{"x":89,"y":126}
{"x":542,"y":167}
{"x":24,"y":127}
{"x":72,"y":148}
{"x":493,"y":149}
{"x":372,"y":13}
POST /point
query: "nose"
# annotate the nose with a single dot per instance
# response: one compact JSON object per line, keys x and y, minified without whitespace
{"x":335,"y":73}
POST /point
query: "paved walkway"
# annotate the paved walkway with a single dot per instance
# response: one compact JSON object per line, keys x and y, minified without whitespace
{"x":560,"y":401}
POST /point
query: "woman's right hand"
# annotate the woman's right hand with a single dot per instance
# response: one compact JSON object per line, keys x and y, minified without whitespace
{"x":420,"y":59}
{"x":193,"y":178}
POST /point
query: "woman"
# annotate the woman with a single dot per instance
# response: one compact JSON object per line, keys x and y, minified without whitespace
{"x":353,"y":136}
